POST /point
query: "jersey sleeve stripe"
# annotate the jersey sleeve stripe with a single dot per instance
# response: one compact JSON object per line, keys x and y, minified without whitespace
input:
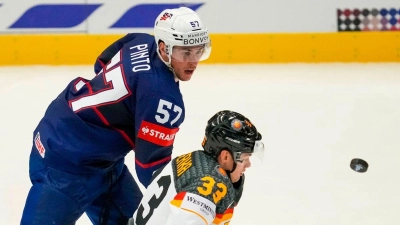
{"x":227,"y":215}
{"x":148,"y":165}
{"x":180,"y":196}
{"x":177,"y":201}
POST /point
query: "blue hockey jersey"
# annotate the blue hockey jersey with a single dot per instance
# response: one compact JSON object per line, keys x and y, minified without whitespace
{"x":133,"y":102}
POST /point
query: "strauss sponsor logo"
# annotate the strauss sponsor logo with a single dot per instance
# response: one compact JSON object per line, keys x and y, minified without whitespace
{"x":157,"y":134}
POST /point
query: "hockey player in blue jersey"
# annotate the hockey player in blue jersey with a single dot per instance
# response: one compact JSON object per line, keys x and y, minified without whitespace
{"x":133,"y":103}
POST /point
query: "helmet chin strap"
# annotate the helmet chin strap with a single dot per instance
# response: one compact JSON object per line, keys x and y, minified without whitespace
{"x":228,"y":172}
{"x":168,"y":64}
{"x":234,"y":165}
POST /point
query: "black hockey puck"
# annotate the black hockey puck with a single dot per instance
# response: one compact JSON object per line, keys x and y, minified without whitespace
{"x":359,"y":165}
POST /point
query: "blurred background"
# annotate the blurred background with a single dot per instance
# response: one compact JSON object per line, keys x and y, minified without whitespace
{"x":74,"y":32}
{"x":319,"y":79}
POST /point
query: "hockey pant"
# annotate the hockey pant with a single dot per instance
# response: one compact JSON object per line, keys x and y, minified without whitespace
{"x":60,"y":198}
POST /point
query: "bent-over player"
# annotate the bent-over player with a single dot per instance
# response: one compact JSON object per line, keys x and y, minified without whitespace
{"x":77,"y":161}
{"x":202,"y":187}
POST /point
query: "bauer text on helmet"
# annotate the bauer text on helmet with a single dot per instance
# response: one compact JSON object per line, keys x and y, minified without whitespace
{"x":184,"y":34}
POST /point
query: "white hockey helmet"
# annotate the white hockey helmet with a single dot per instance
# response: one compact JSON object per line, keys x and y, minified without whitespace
{"x":182,"y":27}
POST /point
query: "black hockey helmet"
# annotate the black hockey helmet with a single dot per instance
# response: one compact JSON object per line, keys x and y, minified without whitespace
{"x":232,"y":131}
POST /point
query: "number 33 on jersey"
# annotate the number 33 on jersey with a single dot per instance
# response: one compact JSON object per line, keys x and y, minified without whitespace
{"x":189,"y":190}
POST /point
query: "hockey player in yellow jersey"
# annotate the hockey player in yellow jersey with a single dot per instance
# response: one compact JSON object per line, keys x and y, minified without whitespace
{"x":203,"y":187}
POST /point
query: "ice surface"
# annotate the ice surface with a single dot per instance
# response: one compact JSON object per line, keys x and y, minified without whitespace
{"x":314,"y":119}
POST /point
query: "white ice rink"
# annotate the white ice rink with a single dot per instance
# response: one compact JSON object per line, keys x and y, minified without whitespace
{"x":314,"y":119}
